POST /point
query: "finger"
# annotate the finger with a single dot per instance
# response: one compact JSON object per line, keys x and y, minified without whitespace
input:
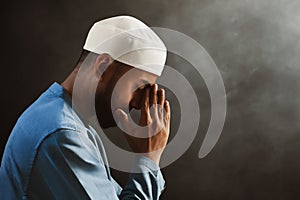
{"x":167,"y":113}
{"x":153,"y":102}
{"x":167,"y":107}
{"x":160,"y":101}
{"x":153,"y":94}
{"x":161,"y":96}
{"x":145,"y":101}
{"x":145,"y":115}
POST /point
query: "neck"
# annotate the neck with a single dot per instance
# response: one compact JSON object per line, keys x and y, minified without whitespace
{"x":82,"y":96}
{"x":68,"y":83}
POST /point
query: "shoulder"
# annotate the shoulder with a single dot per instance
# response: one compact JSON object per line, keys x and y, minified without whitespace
{"x":47,"y":113}
{"x":70,"y":146}
{"x":67,"y":138}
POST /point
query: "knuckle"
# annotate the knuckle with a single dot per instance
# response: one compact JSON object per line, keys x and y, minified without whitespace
{"x":167,"y":117}
{"x":160,"y":109}
{"x":145,"y":104}
{"x":149,"y":121}
{"x":161,"y":91}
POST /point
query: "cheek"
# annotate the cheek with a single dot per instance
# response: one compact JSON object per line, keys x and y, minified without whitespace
{"x":122,"y":97}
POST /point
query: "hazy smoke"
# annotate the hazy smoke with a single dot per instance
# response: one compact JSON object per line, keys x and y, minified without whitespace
{"x":255,"y":44}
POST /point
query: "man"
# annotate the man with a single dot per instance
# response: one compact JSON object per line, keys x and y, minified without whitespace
{"x":54,"y":152}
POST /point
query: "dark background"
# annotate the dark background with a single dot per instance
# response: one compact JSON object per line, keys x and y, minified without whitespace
{"x":256,"y":46}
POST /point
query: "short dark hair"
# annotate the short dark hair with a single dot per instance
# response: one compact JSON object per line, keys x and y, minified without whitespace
{"x":84,"y":54}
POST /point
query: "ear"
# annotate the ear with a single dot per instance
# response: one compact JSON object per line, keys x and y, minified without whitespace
{"x":101,"y":64}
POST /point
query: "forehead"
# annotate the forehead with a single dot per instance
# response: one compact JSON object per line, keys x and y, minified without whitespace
{"x":145,"y":77}
{"x":135,"y":74}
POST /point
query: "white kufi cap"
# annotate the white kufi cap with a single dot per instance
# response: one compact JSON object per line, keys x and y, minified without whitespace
{"x":130,"y":41}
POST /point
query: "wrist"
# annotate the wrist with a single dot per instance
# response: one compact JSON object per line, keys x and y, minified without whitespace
{"x":153,"y":156}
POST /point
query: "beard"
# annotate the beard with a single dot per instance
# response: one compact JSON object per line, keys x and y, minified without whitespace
{"x":104,"y":113}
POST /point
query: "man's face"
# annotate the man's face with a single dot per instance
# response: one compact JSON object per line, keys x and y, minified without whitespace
{"x":123,"y":88}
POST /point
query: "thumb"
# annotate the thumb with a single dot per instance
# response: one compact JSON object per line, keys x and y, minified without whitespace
{"x":122,"y":120}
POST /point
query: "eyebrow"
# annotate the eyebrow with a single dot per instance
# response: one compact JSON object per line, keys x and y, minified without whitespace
{"x":146,"y":82}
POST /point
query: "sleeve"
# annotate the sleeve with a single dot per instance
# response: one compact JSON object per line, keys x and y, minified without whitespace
{"x":67,"y":167}
{"x":147,"y":184}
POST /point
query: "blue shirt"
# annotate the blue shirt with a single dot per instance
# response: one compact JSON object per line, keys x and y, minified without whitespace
{"x":52,"y":154}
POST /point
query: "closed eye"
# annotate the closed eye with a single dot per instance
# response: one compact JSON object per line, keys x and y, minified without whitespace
{"x":145,"y":84}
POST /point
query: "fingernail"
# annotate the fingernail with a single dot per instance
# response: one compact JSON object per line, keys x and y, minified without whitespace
{"x":155,"y":86}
